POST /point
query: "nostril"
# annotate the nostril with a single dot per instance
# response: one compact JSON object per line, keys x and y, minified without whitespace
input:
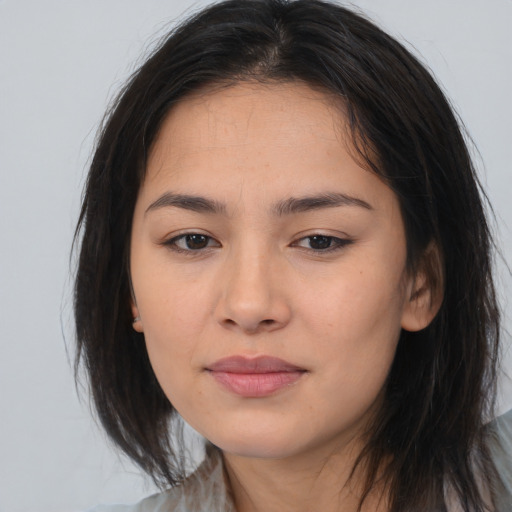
{"x":269,"y":322}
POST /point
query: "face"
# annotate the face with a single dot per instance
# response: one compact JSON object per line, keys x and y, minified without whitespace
{"x":269,"y":271}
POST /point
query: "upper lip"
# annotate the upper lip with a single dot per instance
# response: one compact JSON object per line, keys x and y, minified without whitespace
{"x":260,"y":364}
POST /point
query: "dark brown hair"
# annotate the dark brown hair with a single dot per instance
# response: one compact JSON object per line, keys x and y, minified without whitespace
{"x":441,"y":387}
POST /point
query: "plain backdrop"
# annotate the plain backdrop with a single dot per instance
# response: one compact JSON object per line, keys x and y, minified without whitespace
{"x":60,"y":63}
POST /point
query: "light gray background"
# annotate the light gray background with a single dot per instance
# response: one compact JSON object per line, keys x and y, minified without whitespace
{"x":60,"y":62}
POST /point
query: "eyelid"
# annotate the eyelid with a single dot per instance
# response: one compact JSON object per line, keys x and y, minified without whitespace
{"x":171,"y":242}
{"x":339,"y":242}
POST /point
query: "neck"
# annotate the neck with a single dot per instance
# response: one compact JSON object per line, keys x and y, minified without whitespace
{"x":304,"y":483}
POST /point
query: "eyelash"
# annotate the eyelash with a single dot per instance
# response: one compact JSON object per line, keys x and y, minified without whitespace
{"x":335,"y":243}
{"x":173,"y":243}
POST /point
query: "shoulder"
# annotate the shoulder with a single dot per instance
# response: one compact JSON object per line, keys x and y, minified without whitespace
{"x":205,"y":490}
{"x":156,"y":503}
{"x":500,"y":443}
{"x":500,"y":447}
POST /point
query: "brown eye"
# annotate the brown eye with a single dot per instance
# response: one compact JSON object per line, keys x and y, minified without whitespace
{"x":319,"y":242}
{"x":195,"y":242}
{"x":191,"y":242}
{"x":322,"y":243}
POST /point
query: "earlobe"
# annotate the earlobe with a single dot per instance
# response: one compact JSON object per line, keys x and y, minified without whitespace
{"x":425,"y":292}
{"x":137,"y":322}
{"x":419,"y":310}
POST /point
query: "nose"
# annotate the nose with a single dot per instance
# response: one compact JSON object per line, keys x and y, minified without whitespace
{"x":253,"y":298}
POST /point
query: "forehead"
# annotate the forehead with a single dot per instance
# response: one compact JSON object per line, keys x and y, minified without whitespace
{"x":288,"y":139}
{"x":249,"y":113}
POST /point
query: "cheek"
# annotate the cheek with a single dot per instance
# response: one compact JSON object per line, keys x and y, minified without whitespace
{"x":356,"y":324}
{"x":171,"y":321}
{"x":177,"y":312}
{"x":356,"y":335}
{"x":170,"y":299}
{"x":356,"y":301}
{"x":171,"y":348}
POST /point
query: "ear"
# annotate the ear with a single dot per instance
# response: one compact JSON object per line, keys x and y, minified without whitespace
{"x":425,"y":291}
{"x":137,"y":322}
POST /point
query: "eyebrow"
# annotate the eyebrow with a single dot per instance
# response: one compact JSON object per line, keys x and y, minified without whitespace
{"x":281,"y":208}
{"x":187,"y":202}
{"x":317,"y":202}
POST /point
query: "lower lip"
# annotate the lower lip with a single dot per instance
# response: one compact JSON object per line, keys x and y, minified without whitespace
{"x":254,"y":385}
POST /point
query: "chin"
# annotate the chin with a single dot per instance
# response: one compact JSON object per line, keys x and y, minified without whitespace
{"x":256,"y":449}
{"x":261,"y":445}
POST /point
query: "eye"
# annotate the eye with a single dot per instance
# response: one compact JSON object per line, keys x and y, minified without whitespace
{"x":322,"y":243}
{"x":190,"y":242}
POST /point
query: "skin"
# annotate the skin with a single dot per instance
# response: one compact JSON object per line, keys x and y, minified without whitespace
{"x":260,"y":285}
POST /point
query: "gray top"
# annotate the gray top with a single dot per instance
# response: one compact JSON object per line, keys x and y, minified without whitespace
{"x":501,"y":452}
{"x":206,"y":490}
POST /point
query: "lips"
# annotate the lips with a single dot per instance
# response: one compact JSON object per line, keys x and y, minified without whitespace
{"x":255,"y":377}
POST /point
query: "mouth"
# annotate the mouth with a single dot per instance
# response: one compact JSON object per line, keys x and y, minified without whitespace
{"x":255,"y":377}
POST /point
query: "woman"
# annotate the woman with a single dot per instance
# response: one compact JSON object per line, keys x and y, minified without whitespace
{"x":283,"y":240}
